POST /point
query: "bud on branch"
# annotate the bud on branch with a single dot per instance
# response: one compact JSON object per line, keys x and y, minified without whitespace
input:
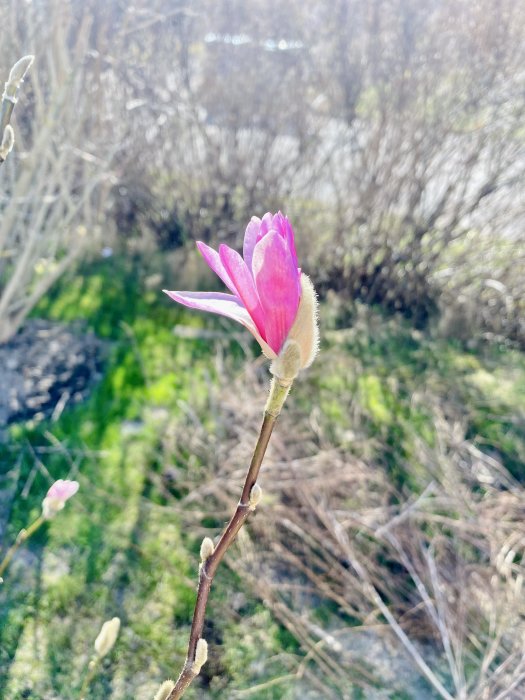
{"x":164,"y":691}
{"x":107,"y":637}
{"x":8,"y":141}
{"x":9,"y":99}
{"x":207,"y":549}
{"x":201,"y":656}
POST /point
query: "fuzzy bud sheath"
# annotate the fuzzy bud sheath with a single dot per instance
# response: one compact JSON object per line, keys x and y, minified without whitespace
{"x":8,"y":141}
{"x":302,"y":343}
{"x":164,"y":691}
{"x":255,"y":496}
{"x":201,"y":656}
{"x":107,"y":637}
{"x":207,"y":549}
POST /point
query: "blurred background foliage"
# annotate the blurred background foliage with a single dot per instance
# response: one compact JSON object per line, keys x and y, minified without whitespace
{"x":387,"y":558}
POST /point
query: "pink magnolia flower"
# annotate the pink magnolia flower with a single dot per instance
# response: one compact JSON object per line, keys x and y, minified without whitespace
{"x":265,"y":285}
{"x":62,"y":490}
{"x":57,"y":495}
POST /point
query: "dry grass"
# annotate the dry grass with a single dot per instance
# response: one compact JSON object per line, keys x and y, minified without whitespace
{"x":338,"y":553}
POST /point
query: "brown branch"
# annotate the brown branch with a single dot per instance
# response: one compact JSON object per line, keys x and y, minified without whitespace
{"x":278,"y":393}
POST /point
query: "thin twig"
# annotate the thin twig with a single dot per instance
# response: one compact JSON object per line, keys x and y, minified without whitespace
{"x":92,"y":669}
{"x":22,"y":536}
{"x":278,"y":394}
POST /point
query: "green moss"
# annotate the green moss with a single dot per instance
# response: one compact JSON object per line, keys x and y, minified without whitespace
{"x":375,"y":398}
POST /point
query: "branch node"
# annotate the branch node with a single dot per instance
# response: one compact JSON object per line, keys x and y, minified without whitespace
{"x":207,"y":549}
{"x":255,"y":496}
{"x":203,"y":572}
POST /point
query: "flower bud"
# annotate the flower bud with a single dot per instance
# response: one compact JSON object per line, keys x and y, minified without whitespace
{"x":201,"y":656}
{"x":164,"y":691}
{"x":255,"y":496}
{"x":60,"y":492}
{"x":302,"y":342}
{"x":18,"y":71}
{"x":8,"y":141}
{"x":107,"y":637}
{"x":207,"y":549}
{"x":16,"y":76}
{"x":50,"y":508}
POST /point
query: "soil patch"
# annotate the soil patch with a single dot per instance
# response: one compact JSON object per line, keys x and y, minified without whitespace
{"x":45,"y":367}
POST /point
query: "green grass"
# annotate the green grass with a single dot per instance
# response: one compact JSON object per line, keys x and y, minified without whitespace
{"x":393,"y":378}
{"x":117,"y":550}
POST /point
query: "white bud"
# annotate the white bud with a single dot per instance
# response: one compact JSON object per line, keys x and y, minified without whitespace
{"x":18,"y":71}
{"x":16,"y":76}
{"x":255,"y":496}
{"x":201,"y":656}
{"x":107,"y":637}
{"x":8,"y":141}
{"x":51,"y":506}
{"x":164,"y":691}
{"x":207,"y":549}
{"x":302,"y":343}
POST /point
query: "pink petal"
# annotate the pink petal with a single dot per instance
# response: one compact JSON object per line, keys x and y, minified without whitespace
{"x":266,"y":225}
{"x":250,"y":239}
{"x":277,"y":281}
{"x":62,"y":489}
{"x":223,"y":304}
{"x":289,"y":235}
{"x":213,"y":260}
{"x":244,"y":284}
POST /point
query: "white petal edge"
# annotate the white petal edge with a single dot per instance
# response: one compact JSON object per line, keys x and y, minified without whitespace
{"x":224,"y":305}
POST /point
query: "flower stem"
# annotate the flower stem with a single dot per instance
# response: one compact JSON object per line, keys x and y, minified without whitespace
{"x":92,"y":669}
{"x":22,"y":536}
{"x":278,"y":393}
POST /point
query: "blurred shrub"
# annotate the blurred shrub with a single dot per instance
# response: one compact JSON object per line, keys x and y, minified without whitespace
{"x":55,"y":185}
{"x":427,"y":155}
{"x":391,"y":131}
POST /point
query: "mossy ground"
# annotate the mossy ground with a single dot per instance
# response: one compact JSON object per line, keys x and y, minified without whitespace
{"x":118,"y":548}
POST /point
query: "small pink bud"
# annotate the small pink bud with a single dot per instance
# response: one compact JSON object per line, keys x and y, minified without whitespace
{"x":60,"y":492}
